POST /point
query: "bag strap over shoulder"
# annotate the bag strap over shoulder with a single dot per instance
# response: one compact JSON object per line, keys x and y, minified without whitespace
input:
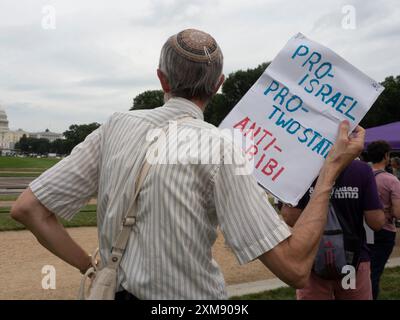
{"x":129,"y":219}
{"x":378,"y":172}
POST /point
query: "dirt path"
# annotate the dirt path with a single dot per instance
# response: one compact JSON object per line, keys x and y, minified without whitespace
{"x":22,"y":260}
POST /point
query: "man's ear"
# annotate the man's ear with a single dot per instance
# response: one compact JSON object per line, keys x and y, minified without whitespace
{"x":220,"y":82}
{"x":164,"y":81}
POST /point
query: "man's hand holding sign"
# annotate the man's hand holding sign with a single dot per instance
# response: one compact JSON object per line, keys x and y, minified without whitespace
{"x":299,"y":117}
{"x":297,"y":253}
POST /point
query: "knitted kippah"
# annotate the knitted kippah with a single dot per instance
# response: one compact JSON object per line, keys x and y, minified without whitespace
{"x":195,"y":45}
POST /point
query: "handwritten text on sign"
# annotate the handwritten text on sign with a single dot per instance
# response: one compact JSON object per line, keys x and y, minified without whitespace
{"x":291,"y":114}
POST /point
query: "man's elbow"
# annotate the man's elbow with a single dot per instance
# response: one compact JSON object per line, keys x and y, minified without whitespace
{"x":299,"y":278}
{"x":23,"y":208}
{"x":302,"y":281}
{"x":19,"y":212}
{"x":375,"y":219}
{"x":378,"y":224}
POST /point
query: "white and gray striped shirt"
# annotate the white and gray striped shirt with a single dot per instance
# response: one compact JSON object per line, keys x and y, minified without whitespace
{"x":179,"y":207}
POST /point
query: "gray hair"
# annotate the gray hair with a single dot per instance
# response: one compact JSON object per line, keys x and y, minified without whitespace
{"x":187,"y":78}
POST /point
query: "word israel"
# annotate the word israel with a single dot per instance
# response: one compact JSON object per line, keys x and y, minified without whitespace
{"x":312,"y":83}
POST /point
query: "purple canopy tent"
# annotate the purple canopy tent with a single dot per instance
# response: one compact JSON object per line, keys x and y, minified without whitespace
{"x":389,"y":132}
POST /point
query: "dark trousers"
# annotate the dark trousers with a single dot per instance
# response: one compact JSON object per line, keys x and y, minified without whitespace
{"x":380,"y":253}
{"x":125,"y":296}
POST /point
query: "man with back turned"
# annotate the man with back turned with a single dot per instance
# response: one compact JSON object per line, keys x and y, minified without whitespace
{"x":180,"y":206}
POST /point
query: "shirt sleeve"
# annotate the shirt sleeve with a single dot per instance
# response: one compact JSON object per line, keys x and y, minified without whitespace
{"x":248,"y":221}
{"x":370,"y":195}
{"x":66,"y":187}
{"x":395,"y":188}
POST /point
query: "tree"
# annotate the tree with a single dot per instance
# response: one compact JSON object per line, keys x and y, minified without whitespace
{"x":33,"y":145}
{"x":216,"y":110}
{"x":59,"y":146}
{"x":386,"y":108}
{"x":234,"y":88}
{"x":239,"y":82}
{"x":148,"y":100}
{"x":40,"y":146}
{"x":23,"y":144}
{"x":77,"y":133}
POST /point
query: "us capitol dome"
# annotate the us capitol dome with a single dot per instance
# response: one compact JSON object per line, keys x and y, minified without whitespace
{"x":8,"y":138}
{"x":3,"y":120}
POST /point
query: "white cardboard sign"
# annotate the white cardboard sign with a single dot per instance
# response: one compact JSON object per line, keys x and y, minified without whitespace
{"x":292,"y":113}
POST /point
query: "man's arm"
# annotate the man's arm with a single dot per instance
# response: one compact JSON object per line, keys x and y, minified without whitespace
{"x":61,"y":190}
{"x":395,"y":197}
{"x":292,"y":259}
{"x":371,"y":203}
{"x":48,"y":230}
{"x":396,"y":208}
{"x":375,"y":219}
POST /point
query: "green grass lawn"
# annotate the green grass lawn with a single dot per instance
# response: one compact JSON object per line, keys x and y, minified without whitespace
{"x":390,"y":289}
{"x":390,"y":284}
{"x":20,"y":174}
{"x":8,"y":197}
{"x":38,"y":170}
{"x":24,"y":163}
{"x":85,"y":218}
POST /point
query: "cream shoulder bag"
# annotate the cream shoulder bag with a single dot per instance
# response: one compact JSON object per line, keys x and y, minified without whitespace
{"x":104,"y":281}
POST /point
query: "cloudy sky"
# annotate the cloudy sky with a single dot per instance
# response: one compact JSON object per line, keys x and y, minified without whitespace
{"x":65,"y":62}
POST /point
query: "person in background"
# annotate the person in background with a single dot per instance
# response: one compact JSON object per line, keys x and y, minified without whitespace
{"x":355,"y":195}
{"x":389,"y":194}
{"x":395,"y":164}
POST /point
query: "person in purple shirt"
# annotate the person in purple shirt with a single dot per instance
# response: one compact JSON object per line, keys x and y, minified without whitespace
{"x":355,"y":195}
{"x":389,"y":193}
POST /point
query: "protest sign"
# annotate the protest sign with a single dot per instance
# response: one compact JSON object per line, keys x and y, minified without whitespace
{"x":292,"y":114}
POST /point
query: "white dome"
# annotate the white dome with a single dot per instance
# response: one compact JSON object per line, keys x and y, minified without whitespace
{"x":3,"y":120}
